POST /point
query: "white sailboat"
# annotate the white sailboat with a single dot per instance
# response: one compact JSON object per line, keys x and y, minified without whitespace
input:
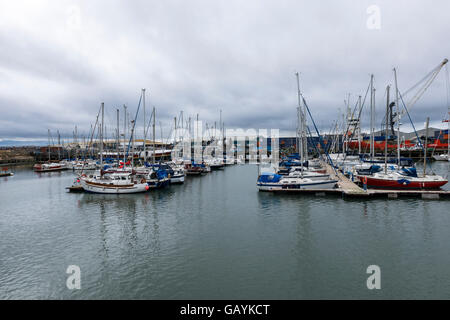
{"x":301,"y":177}
{"x":115,"y":183}
{"x":276,"y":182}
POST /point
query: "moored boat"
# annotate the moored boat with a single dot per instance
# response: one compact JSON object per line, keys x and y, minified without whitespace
{"x":49,"y":167}
{"x":402,"y":179}
{"x":6,"y":172}
{"x":194,"y":169}
{"x":276,"y":182}
{"x":115,"y":183}
{"x":441,"y":157}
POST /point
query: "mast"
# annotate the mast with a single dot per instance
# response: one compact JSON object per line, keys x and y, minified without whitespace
{"x":359,"y":126}
{"x":372,"y":137}
{"x":386,"y":130}
{"x":304,"y":137}
{"x":59,"y":144}
{"x":426,"y":146}
{"x":175,"y":130}
{"x":124,"y":133}
{"x":300,"y":124}
{"x":49,"y":156}
{"x":398,"y":117}
{"x":373,"y":114}
{"x":101,"y":134}
{"x":145,"y":131}
{"x":132,"y":143}
{"x":347,"y":123}
{"x":118,"y":136}
{"x":154,"y":116}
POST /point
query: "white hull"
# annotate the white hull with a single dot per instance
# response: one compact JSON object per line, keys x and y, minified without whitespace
{"x":113,"y":189}
{"x":310,"y":185}
{"x":441,"y":157}
{"x":177,"y":179}
{"x":312,"y":176}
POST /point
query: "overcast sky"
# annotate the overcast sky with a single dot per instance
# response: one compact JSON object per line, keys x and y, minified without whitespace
{"x":60,"y":59}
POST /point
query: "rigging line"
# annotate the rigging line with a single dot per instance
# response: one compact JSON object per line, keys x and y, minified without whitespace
{"x":381,"y":102}
{"x":422,"y":90}
{"x":318,"y":133}
{"x":134,"y":125}
{"x":359,"y":114}
{"x":421,"y":80}
{"x":91,"y":140}
{"x":149,"y":124}
{"x":414,"y":128}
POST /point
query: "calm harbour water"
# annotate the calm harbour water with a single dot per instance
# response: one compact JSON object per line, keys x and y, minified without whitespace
{"x":217,"y":237}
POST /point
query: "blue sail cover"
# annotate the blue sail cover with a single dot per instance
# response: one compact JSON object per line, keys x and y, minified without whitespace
{"x":161,"y":174}
{"x":410,"y":172}
{"x":293,"y":163}
{"x":269,"y":177}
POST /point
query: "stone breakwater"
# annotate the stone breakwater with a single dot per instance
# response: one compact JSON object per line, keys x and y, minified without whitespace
{"x":16,"y":155}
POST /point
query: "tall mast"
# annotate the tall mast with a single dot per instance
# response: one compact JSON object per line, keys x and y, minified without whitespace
{"x":305,"y":143}
{"x":59,"y":144}
{"x":359,"y":126}
{"x":298,"y":117}
{"x":426,"y":146}
{"x":373,"y":115}
{"x":386,"y":130}
{"x":372,"y":138}
{"x":101,"y":134}
{"x":145,"y":125}
{"x":118,"y":136}
{"x":197,"y":138}
{"x":124,"y":133}
{"x":347,"y":123}
{"x":154,"y":151}
{"x":300,"y":123}
{"x":49,"y":157}
{"x":398,"y":117}
{"x":132,"y":142}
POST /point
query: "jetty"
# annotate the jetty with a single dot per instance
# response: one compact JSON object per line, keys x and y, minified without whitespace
{"x":348,"y":189}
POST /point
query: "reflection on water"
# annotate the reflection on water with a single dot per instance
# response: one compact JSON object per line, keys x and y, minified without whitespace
{"x":216,"y":236}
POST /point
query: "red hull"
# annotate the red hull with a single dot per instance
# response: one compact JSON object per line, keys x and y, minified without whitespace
{"x":395,"y":184}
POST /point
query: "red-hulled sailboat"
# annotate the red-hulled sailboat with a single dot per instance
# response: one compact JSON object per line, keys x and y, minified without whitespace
{"x":402,"y":178}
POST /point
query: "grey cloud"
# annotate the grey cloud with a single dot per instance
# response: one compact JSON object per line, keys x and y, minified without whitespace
{"x":197,"y":56}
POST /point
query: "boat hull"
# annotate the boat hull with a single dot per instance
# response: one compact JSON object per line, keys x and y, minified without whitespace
{"x":177,"y":179}
{"x":50,"y":170}
{"x":441,"y":157}
{"x":314,"y":185}
{"x":113,"y":189}
{"x":6,"y":174}
{"x":402,"y":184}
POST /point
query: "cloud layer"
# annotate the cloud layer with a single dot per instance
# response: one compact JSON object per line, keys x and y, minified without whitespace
{"x":60,"y":60}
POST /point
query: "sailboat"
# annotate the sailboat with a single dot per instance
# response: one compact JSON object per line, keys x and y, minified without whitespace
{"x":276,"y":182}
{"x":49,"y":166}
{"x":405,"y":177}
{"x":117,"y":181}
{"x":298,"y":176}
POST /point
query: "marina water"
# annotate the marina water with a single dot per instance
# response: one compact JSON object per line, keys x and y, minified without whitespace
{"x":217,"y":237}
